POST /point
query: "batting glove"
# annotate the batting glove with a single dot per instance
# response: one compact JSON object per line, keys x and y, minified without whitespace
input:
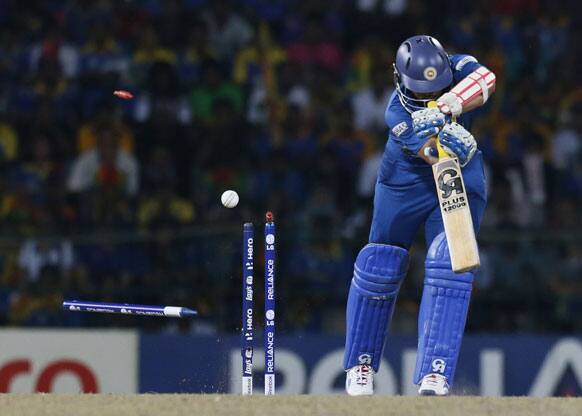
{"x":427,"y":123}
{"x":450,"y":103}
{"x":458,"y":142}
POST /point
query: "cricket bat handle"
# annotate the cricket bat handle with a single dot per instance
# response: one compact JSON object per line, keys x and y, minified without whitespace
{"x":440,"y":150}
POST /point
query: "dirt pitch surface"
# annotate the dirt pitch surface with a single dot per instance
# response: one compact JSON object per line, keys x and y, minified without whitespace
{"x":219,"y":405}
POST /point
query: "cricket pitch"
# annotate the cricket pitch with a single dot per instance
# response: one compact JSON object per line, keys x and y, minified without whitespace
{"x":219,"y":405}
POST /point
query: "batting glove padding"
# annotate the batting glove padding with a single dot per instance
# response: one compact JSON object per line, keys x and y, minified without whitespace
{"x":458,"y":142}
{"x":427,"y":123}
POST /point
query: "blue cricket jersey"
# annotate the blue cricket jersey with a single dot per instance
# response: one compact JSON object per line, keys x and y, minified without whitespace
{"x":405,"y":196}
{"x":399,"y":120}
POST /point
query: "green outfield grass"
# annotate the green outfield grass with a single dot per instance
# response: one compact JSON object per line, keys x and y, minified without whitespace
{"x":218,"y":405}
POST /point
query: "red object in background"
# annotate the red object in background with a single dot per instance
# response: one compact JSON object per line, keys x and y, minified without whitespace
{"x":269,"y":216}
{"x":108,"y":175}
{"x":126,"y":95}
{"x":326,"y":54}
{"x":50,"y":50}
{"x":46,"y":378}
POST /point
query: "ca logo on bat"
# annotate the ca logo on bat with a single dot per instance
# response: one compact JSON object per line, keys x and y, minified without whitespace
{"x":449,"y":181}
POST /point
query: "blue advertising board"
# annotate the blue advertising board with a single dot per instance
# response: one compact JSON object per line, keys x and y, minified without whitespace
{"x":488,"y":365}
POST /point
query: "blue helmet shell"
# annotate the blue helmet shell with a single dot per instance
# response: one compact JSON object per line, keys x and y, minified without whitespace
{"x":422,"y":66}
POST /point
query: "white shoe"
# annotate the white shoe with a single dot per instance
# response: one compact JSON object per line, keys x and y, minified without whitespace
{"x":434,"y":385}
{"x":360,"y":380}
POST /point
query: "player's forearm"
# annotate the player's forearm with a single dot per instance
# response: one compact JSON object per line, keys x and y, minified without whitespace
{"x":472,"y":92}
{"x":478,"y":100}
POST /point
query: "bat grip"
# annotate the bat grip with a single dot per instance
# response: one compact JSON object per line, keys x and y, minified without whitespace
{"x":442,"y":153}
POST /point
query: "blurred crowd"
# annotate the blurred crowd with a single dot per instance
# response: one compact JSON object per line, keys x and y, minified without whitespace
{"x":283,"y":101}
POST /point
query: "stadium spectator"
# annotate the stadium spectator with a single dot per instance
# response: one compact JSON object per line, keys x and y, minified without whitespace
{"x":227,"y":30}
{"x":284,"y":102}
{"x":107,"y":166}
{"x":369,"y":104}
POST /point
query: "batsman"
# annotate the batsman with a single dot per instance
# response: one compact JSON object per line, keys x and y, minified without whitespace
{"x":406,"y":199}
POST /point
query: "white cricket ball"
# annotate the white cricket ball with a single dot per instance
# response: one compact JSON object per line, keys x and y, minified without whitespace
{"x":229,"y":199}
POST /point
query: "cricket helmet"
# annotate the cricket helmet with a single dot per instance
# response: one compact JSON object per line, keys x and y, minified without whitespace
{"x":422,"y":66}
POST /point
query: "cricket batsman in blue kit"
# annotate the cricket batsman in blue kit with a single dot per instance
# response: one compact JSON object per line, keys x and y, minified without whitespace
{"x":405,"y":199}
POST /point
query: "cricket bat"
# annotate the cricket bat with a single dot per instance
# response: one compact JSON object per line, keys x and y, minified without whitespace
{"x":454,"y":205}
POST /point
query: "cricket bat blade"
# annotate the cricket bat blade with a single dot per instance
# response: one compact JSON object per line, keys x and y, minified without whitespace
{"x":454,"y":205}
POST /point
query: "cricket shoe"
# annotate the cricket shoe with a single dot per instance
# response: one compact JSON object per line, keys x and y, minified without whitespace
{"x":360,"y":380}
{"x":434,"y":385}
